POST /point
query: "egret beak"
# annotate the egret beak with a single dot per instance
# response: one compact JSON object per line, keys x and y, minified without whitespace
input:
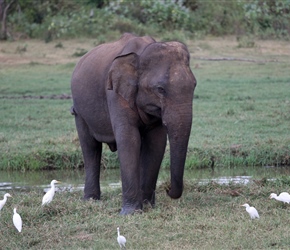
{"x":58,"y":181}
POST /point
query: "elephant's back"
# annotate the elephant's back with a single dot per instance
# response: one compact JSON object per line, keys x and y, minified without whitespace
{"x":90,"y":74}
{"x":97,"y":61}
{"x":94,"y":64}
{"x":100,"y":57}
{"x":88,"y":87}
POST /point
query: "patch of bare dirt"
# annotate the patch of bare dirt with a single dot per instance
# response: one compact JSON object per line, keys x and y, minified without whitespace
{"x":52,"y":97}
{"x":62,"y":51}
{"x":229,"y":47}
{"x":37,"y":51}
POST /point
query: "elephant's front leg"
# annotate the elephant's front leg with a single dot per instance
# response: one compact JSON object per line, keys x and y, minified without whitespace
{"x":152,"y":152}
{"x":128,"y":144}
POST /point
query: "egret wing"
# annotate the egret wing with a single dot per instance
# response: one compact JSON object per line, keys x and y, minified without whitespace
{"x":254,"y":212}
{"x":285,"y":197}
{"x":47,"y":198}
{"x":284,"y":194}
{"x":2,"y":203}
{"x":17,"y":221}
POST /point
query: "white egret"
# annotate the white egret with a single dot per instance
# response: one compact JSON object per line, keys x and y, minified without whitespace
{"x":284,"y":197}
{"x":47,"y":198}
{"x":17,"y":221}
{"x":252,"y":211}
{"x":2,"y":202}
{"x":121,"y":239}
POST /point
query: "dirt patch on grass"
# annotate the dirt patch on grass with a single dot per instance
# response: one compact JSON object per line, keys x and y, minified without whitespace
{"x":52,"y":97}
{"x":65,"y":51}
{"x":230,"y":47}
{"x":37,"y":51}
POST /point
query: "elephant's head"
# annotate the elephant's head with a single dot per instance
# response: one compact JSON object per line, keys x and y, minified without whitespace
{"x":160,"y":84}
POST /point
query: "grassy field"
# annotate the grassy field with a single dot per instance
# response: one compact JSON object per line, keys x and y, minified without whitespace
{"x":241,"y":108}
{"x":241,"y":117}
{"x":206,"y":217}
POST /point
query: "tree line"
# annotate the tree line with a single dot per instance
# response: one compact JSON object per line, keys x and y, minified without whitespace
{"x":50,"y":19}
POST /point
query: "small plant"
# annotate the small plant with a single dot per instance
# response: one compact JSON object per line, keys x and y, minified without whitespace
{"x":230,"y":112}
{"x":21,"y":49}
{"x":79,"y":52}
{"x":248,"y":106}
{"x":59,"y":45}
{"x":246,"y":42}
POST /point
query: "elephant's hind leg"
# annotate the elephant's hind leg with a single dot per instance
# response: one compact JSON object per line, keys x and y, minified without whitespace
{"x":92,"y":152}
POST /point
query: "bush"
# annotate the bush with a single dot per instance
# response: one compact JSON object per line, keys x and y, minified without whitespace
{"x":164,"y":15}
{"x":92,"y":18}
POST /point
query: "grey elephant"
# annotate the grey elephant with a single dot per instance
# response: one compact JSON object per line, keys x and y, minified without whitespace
{"x":131,"y":94}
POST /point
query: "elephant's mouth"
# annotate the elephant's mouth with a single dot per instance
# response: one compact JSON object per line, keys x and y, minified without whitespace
{"x":153,"y":111}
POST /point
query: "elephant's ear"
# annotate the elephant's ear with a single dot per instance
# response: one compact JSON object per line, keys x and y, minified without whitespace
{"x":123,"y":77}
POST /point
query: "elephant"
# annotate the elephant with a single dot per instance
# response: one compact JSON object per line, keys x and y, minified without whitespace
{"x":132,"y":94}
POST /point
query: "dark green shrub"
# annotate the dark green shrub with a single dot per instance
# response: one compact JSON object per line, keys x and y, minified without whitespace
{"x":165,"y":14}
{"x":192,"y":18}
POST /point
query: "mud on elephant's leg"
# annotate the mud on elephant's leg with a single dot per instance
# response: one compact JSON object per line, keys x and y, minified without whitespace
{"x":152,"y":152}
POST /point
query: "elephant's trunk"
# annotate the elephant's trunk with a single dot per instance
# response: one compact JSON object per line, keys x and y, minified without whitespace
{"x":178,"y":128}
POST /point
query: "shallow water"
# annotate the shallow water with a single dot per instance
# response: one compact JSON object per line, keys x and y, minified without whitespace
{"x":74,"y":180}
{"x":40,"y":180}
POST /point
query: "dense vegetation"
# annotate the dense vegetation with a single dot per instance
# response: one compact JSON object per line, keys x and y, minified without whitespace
{"x":172,"y":18}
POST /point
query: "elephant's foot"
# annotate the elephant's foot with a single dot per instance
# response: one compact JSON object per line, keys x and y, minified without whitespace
{"x":92,"y":196}
{"x":127,"y":210}
{"x":148,"y":205}
{"x":149,"y":199}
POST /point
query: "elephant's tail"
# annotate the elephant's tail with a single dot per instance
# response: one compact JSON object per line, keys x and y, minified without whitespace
{"x":72,"y":111}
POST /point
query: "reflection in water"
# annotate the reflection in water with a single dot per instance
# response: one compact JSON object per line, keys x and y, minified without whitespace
{"x":5,"y":185}
{"x":228,"y":179}
{"x":71,"y":180}
{"x":74,"y":180}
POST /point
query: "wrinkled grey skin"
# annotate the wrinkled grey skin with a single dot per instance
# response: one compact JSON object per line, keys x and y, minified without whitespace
{"x":131,"y":94}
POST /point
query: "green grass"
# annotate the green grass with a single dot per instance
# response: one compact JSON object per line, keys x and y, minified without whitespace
{"x":37,"y":133}
{"x":241,"y":112}
{"x":206,"y":217}
{"x":241,"y":117}
{"x":243,"y":106}
{"x":35,"y":79}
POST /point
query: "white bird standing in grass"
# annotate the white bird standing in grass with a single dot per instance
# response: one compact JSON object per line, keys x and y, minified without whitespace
{"x":2,"y":202}
{"x":47,"y":198}
{"x":252,"y":211}
{"x":17,"y":221}
{"x":284,"y":197}
{"x":121,"y":239}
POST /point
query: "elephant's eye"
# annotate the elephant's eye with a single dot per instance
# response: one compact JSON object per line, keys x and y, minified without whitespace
{"x":161,"y":90}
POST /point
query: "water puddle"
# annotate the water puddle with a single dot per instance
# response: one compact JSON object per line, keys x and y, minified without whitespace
{"x":237,"y":175}
{"x":40,"y":180}
{"x":227,"y":180}
{"x":74,"y":180}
